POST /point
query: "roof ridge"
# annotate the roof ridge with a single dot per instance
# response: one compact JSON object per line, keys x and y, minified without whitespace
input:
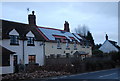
{"x":112,"y":41}
{"x":14,"y":22}
{"x":50,"y":28}
{"x":114,"y":44}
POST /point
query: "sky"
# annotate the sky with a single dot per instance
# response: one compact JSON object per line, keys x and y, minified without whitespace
{"x":99,"y":17}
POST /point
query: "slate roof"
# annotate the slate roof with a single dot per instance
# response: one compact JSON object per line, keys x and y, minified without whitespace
{"x":80,"y":53}
{"x":21,"y":28}
{"x":41,"y":33}
{"x":5,"y":50}
{"x":50,"y":32}
{"x":114,"y":44}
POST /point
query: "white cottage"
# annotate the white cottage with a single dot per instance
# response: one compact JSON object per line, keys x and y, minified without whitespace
{"x":109,"y":46}
{"x":61,"y":43}
{"x":24,"y":40}
{"x":32,"y":43}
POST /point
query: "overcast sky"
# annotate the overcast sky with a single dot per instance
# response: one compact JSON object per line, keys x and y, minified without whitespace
{"x":100,"y":17}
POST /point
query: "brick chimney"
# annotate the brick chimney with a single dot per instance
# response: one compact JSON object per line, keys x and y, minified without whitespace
{"x":66,"y":27}
{"x":106,"y":37}
{"x":32,"y":18}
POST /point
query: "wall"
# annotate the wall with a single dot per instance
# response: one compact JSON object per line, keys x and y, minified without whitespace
{"x":14,"y":48}
{"x":51,"y":48}
{"x":28,"y":50}
{"x":34,"y":50}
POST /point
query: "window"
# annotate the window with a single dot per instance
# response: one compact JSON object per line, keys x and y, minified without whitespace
{"x":14,"y":40}
{"x":58,"y":55}
{"x":67,"y":44}
{"x":67,"y":55}
{"x":58,"y":44}
{"x":6,"y":60}
{"x":32,"y":59}
{"x":75,"y":47}
{"x":30,"y":41}
{"x":52,"y":55}
{"x":15,"y":60}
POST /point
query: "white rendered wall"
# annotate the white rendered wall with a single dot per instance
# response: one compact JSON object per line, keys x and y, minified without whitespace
{"x":51,"y":48}
{"x":28,"y":50}
{"x":14,"y":48}
{"x":34,"y":50}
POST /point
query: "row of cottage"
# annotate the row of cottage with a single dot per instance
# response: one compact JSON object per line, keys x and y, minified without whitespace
{"x":29,"y":43}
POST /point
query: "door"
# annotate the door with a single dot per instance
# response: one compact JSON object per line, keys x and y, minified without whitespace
{"x":15,"y":64}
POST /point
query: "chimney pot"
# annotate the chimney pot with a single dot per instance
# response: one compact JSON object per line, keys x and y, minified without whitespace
{"x":33,"y":12}
{"x":106,"y":37}
{"x":32,"y":18}
{"x":66,"y":27}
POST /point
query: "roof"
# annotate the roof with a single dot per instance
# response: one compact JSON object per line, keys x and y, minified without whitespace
{"x":77,"y":36}
{"x":6,"y":51}
{"x":114,"y":44}
{"x":21,"y":28}
{"x":52,"y":33}
{"x":80,"y":53}
{"x":41,"y":33}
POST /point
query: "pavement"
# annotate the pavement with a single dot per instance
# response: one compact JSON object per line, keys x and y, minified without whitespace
{"x":103,"y":75}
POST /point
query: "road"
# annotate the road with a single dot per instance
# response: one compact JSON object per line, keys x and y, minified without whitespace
{"x":104,"y":75}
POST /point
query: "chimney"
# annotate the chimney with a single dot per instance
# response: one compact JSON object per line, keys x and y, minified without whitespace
{"x":106,"y":37}
{"x":32,"y":18}
{"x":66,"y":27}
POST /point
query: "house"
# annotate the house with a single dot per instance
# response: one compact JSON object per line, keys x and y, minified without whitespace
{"x":109,"y":46}
{"x":6,"y":61}
{"x":23,"y":39}
{"x":32,"y":43}
{"x":62,"y":43}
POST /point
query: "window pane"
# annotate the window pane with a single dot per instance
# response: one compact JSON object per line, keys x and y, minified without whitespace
{"x":14,"y":39}
{"x":30,"y":41}
{"x":67,"y":55}
{"x":32,"y":58}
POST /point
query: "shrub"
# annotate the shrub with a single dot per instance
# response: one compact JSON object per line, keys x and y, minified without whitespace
{"x":97,"y":53}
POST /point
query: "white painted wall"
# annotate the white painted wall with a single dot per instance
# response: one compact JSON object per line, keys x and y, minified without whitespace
{"x":107,"y":47}
{"x":51,"y":48}
{"x":28,"y":50}
{"x":14,"y":48}
{"x":34,"y":50}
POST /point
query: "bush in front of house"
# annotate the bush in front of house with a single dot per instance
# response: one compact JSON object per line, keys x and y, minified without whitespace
{"x":115,"y":56}
{"x":29,"y":68}
{"x":97,"y":53}
{"x":99,"y":65}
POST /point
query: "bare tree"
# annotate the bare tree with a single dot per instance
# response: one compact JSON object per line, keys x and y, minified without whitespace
{"x":82,"y":30}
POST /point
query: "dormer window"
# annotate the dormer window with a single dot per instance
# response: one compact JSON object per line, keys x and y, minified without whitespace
{"x":75,"y":46}
{"x":30,"y":41}
{"x":14,"y":40}
{"x":67,"y":44}
{"x":58,"y":43}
